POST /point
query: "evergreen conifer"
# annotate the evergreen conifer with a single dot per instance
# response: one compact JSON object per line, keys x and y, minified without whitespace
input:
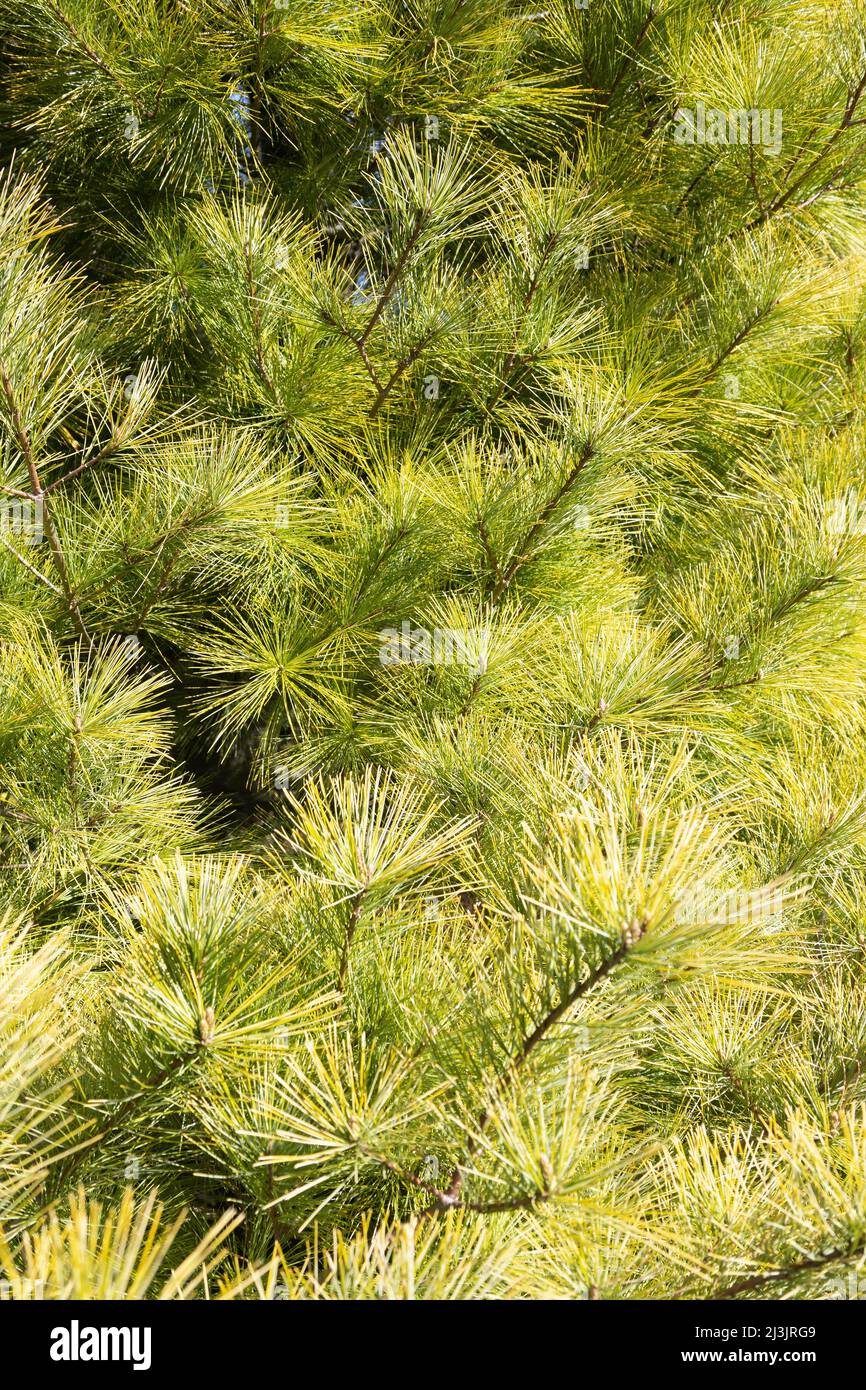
{"x":433,"y":648}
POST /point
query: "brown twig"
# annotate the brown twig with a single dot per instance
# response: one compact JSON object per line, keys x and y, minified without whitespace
{"x":524,"y":554}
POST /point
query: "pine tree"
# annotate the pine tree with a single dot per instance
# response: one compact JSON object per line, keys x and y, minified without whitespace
{"x":433,"y":648}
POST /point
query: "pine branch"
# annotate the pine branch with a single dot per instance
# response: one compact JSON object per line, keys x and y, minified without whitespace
{"x":451,"y":1197}
{"x":388,"y":289}
{"x":351,"y":928}
{"x":755,"y":1283}
{"x":791,"y":192}
{"x":524,"y":554}
{"x":91,"y":54}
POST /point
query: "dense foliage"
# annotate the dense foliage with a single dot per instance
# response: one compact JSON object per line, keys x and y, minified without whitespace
{"x":433,"y":648}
